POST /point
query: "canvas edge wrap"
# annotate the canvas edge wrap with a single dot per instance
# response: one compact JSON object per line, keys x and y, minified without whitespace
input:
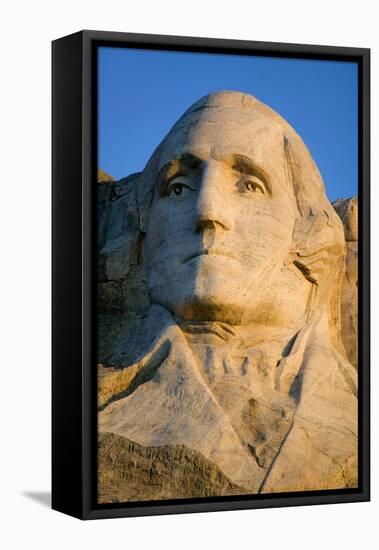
{"x":67,"y":480}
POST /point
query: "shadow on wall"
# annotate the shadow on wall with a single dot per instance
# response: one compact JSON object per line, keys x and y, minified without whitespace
{"x":41,"y":497}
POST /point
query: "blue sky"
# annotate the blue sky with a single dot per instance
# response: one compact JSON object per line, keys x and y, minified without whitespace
{"x":143,"y":92}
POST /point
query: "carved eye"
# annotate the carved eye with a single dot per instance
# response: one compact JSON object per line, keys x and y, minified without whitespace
{"x":254,"y":185}
{"x":176,"y":188}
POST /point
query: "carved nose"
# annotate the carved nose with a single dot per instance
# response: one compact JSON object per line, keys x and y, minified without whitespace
{"x":212,"y":209}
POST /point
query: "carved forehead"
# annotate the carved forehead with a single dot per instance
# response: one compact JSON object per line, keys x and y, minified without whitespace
{"x":219,"y":132}
{"x":222,"y":117}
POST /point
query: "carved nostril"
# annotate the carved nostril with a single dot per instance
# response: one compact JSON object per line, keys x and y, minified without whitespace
{"x":207,"y":223}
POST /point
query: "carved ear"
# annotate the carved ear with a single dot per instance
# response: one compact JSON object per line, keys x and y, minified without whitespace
{"x":318,"y":238}
{"x":316,"y":249}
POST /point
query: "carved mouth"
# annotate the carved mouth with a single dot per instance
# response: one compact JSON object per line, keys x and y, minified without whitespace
{"x":210,"y":252}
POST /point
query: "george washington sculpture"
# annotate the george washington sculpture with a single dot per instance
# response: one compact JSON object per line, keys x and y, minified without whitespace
{"x":221,"y":364}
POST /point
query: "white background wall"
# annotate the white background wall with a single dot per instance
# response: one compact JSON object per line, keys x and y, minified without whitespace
{"x":27,"y":29}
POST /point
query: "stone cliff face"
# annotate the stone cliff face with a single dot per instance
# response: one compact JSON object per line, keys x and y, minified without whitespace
{"x":347,"y":209}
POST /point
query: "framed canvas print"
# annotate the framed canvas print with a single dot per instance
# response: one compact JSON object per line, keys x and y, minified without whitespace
{"x":210,"y":274}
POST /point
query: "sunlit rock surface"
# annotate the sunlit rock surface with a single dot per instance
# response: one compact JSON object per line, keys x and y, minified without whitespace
{"x":347,"y":209}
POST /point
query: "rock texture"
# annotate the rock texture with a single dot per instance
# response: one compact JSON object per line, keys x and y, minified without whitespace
{"x":347,"y":209}
{"x":223,"y":354}
{"x":103,"y":177}
{"x":128,"y":471}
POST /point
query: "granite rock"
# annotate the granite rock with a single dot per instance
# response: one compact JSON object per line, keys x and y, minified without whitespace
{"x":347,"y":209}
{"x":222,"y":347}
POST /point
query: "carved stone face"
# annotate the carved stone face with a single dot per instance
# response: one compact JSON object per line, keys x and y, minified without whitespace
{"x":221,"y":222}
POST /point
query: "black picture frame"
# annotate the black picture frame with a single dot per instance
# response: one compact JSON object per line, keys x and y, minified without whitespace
{"x":74,"y":173}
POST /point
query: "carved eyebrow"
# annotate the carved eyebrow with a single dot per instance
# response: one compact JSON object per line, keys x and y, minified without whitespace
{"x":184,"y":163}
{"x":188,"y":162}
{"x":246,"y":166}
